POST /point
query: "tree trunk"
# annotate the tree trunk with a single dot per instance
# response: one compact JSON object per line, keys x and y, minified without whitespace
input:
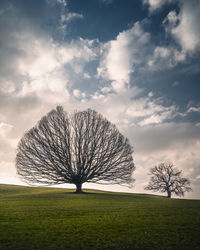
{"x":79,"y":188}
{"x":168,"y":194}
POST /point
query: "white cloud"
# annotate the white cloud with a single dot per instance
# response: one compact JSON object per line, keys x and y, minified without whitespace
{"x":170,"y":21}
{"x":185,"y":26}
{"x":65,"y":18}
{"x":78,"y":94}
{"x":38,"y":74}
{"x":47,"y":67}
{"x":155,"y":5}
{"x":106,"y":90}
{"x":97,"y":96}
{"x":117,"y":61}
{"x":193,"y":109}
{"x":165,"y":57}
{"x":148,"y":112}
{"x":172,"y":18}
{"x":150,"y":94}
{"x":40,"y":58}
{"x":125,"y":107}
{"x":122,"y":55}
{"x":70,"y":16}
{"x":63,"y":2}
{"x":154,"y":119}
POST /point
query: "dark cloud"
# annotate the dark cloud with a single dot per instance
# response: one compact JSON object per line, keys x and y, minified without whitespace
{"x":160,"y":137}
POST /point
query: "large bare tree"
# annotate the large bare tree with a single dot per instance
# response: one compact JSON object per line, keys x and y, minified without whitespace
{"x":76,"y":148}
{"x":166,"y":178}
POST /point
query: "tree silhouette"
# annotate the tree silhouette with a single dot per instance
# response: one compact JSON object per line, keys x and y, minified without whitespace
{"x":77,"y":148}
{"x":166,"y":178}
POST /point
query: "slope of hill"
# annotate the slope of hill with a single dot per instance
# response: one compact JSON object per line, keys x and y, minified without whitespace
{"x":53,"y":218}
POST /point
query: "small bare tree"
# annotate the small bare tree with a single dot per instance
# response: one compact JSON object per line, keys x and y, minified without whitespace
{"x":166,"y":178}
{"x":77,"y":148}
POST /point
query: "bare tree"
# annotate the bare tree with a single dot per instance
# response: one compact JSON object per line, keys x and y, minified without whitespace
{"x":166,"y":178}
{"x":77,"y":148}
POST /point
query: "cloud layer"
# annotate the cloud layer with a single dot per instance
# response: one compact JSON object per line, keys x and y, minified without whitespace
{"x":39,"y":71}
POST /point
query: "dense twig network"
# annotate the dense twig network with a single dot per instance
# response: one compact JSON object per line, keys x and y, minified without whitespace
{"x":77,"y":148}
{"x":166,"y":178}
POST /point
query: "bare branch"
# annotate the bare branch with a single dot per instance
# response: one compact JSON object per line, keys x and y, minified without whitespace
{"x":77,"y":148}
{"x":166,"y":178}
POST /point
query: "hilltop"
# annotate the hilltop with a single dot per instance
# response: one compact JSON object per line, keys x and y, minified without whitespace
{"x":57,"y":218}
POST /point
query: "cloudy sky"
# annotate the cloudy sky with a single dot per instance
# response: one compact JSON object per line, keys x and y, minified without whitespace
{"x":136,"y":61}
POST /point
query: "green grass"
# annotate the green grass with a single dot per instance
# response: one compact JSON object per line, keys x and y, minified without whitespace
{"x":53,"y":218}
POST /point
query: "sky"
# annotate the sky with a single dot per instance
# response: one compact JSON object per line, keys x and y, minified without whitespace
{"x":137,"y":62}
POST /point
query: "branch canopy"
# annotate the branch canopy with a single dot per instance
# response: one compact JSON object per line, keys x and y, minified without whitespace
{"x":166,"y":178}
{"x":76,"y":148}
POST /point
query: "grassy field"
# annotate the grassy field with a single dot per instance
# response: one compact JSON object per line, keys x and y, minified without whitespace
{"x":53,"y":218}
